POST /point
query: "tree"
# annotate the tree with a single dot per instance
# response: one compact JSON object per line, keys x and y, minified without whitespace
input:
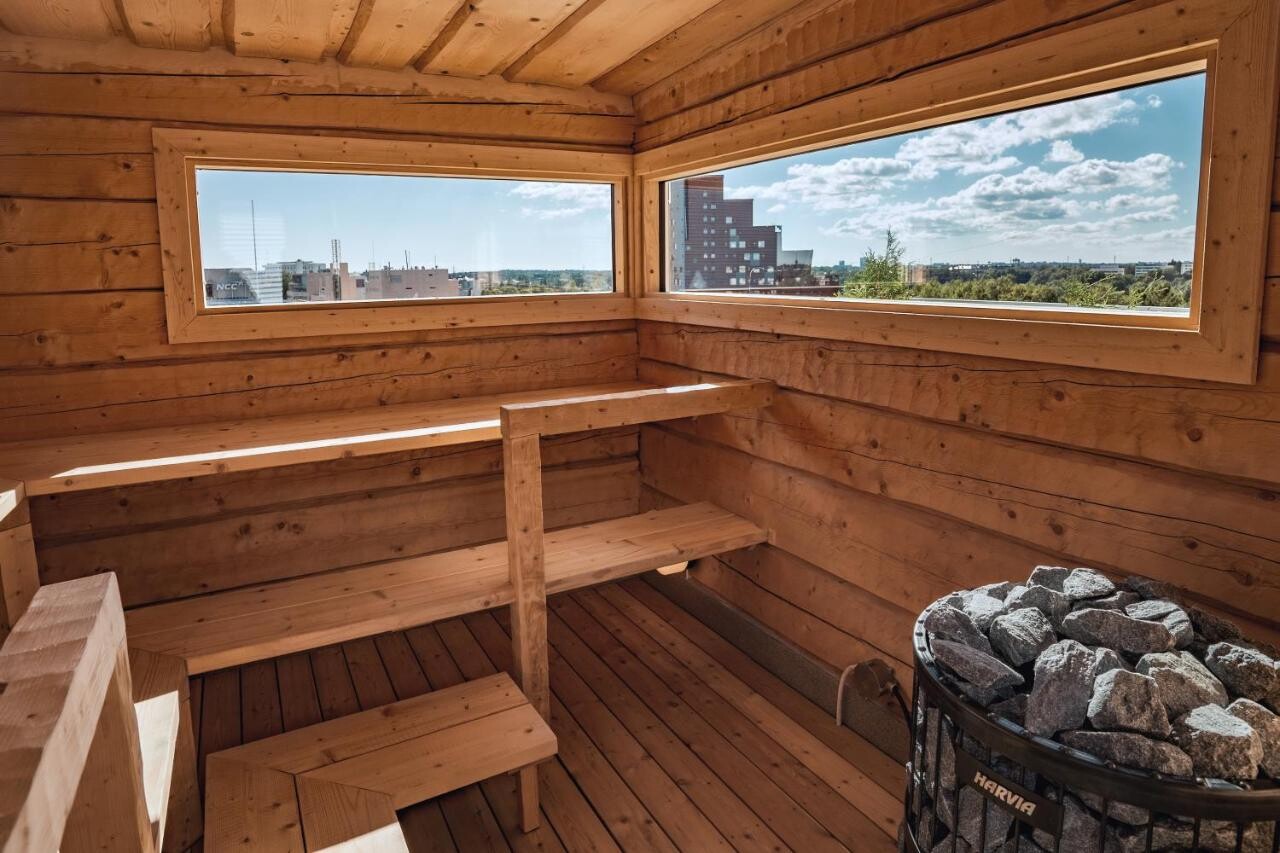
{"x":881,"y":276}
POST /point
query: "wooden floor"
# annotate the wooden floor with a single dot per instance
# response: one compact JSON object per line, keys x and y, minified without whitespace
{"x":670,"y":738}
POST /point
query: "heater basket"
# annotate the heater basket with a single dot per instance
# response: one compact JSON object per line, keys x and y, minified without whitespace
{"x":979,"y":783}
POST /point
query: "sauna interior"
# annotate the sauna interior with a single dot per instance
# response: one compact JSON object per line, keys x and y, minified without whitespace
{"x":629,"y":425}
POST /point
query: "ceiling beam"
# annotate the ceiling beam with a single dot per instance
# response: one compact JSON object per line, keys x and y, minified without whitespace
{"x":704,"y":35}
{"x":393,"y":33}
{"x":486,"y":36}
{"x":599,"y":36}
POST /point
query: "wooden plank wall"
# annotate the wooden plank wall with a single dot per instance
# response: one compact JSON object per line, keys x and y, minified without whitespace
{"x":83,"y":346}
{"x":888,"y":476}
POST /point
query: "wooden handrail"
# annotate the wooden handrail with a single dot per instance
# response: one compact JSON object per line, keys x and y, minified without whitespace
{"x":71,"y":776}
{"x":626,"y":408}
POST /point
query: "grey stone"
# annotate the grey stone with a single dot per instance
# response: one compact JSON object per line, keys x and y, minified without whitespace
{"x":1131,"y":750}
{"x":945,"y":622}
{"x":1087,"y":583}
{"x":1245,"y":671}
{"x":1061,"y":688}
{"x":1153,"y":609}
{"x":1220,"y":837}
{"x":1082,"y":832}
{"x":1118,"y":600}
{"x":1013,"y":708}
{"x":1127,"y":701}
{"x":971,"y":830}
{"x":1108,"y":660}
{"x":1185,"y":683}
{"x":1148,"y":588}
{"x":1123,"y":812}
{"x":1053,"y":604}
{"x":1115,"y":630}
{"x":1220,"y":745}
{"x":1213,"y":629}
{"x":977,"y":668}
{"x":1179,"y":624}
{"x":1267,"y":727}
{"x":996,"y":590}
{"x":1021,"y":635}
{"x":1168,"y":614}
{"x":984,"y":696}
{"x":1051,"y":577}
{"x":979,"y":606}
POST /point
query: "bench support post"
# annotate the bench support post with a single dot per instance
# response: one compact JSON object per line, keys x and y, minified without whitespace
{"x":522,"y":472}
{"x":19,"y":578}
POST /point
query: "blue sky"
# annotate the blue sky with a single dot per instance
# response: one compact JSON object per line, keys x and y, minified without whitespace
{"x":1108,"y":176}
{"x":460,"y":223}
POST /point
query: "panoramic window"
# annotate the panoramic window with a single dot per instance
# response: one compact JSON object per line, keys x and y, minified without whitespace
{"x":1081,"y":205}
{"x":280,"y":237}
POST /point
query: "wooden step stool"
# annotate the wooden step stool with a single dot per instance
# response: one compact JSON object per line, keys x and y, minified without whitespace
{"x":340,"y":782}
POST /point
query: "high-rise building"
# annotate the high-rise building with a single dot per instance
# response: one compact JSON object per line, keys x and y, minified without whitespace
{"x":716,"y":243}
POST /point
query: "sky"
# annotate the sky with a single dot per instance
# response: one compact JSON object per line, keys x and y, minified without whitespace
{"x":1111,"y":176}
{"x":460,"y":223}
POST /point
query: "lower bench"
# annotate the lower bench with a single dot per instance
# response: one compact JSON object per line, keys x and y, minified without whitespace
{"x":340,"y":782}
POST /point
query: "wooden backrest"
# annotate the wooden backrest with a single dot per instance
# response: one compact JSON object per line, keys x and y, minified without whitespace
{"x":70,"y":763}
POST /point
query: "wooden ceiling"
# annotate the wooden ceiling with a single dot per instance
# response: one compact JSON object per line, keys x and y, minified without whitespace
{"x":621,"y":46}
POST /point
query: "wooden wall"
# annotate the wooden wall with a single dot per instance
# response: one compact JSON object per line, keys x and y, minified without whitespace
{"x":83,"y":346}
{"x":889,"y":476}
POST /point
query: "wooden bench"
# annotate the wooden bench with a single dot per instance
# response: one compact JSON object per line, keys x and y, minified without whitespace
{"x":77,"y":773}
{"x":340,"y":782}
{"x":181,"y":638}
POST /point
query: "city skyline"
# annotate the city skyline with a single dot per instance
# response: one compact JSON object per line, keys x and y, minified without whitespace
{"x":457,"y":223}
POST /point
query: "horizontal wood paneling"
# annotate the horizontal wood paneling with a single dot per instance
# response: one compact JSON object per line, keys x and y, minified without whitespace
{"x":1196,"y":426}
{"x":73,"y":516}
{"x":297,"y":538}
{"x":857,"y":44}
{"x":1214,"y":537}
{"x":117,"y":80}
{"x":171,"y":391}
{"x":84,"y":348}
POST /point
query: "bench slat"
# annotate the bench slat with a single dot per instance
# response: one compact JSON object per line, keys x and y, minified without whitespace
{"x":342,"y":738}
{"x":239,"y":626}
{"x":49,"y":466}
{"x":337,"y":784}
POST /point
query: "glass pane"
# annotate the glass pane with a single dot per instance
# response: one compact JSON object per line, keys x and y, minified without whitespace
{"x":1087,"y":204}
{"x":268,"y":238}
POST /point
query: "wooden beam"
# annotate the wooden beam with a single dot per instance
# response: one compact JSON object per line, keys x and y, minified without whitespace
{"x":627,"y":408}
{"x":87,"y":20}
{"x":280,"y":29}
{"x":599,"y":36}
{"x":110,"y":811}
{"x":172,"y":24}
{"x":280,"y":93}
{"x":526,"y":556}
{"x":712,"y":35}
{"x":393,"y":33}
{"x":57,"y":667}
{"x":486,"y":36}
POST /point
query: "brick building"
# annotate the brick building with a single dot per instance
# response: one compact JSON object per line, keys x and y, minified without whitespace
{"x":717,"y":245}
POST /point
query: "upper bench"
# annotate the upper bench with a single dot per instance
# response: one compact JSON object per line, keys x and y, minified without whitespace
{"x":79,"y":463}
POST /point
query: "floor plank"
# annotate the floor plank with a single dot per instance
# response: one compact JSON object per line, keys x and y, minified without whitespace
{"x":670,"y":737}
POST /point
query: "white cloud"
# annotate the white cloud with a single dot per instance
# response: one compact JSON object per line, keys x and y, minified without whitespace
{"x":1154,"y":102}
{"x":846,"y":184}
{"x":776,"y":208}
{"x":1063,"y":151}
{"x":1034,"y":204}
{"x":562,"y":200}
{"x":969,"y":148}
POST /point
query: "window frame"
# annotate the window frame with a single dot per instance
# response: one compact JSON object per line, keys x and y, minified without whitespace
{"x":1235,"y":42}
{"x":180,"y":152}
